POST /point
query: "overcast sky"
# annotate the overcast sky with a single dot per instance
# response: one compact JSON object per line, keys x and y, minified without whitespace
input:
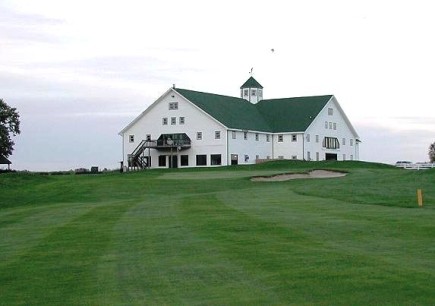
{"x":79,"y":71}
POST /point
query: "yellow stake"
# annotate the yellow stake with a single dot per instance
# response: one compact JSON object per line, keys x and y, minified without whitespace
{"x":420,"y":197}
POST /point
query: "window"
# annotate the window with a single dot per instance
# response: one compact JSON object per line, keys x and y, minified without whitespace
{"x":280,"y":157}
{"x":294,"y":157}
{"x":131,"y":138}
{"x":148,"y":137}
{"x":201,"y":160}
{"x":256,"y":136}
{"x":260,"y":93}
{"x":331,"y":143}
{"x":351,"y":142}
{"x":317,"y":156}
{"x":335,"y":125}
{"x":253,"y":92}
{"x":245,"y":92}
{"x":181,"y":120}
{"x":351,"y":157}
{"x":317,"y":138}
{"x":199,"y":135}
{"x":173,"y":120}
{"x":173,"y":105}
{"x":280,"y":138}
{"x":246,"y":158}
{"x":308,"y":155}
{"x":294,"y":138}
{"x":308,"y":137}
{"x":267,"y":137}
{"x":344,"y":141}
{"x":326,"y":124}
{"x":257,"y":157}
{"x":165,"y":121}
{"x":330,"y":111}
{"x":344,"y":156}
{"x":184,"y":160}
{"x":217,"y":135}
{"x":330,"y":125}
{"x":215,"y":159}
{"x":234,"y":134}
{"x":162,"y":160}
{"x":245,"y":135}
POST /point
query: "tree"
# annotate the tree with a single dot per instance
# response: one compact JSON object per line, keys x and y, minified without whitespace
{"x":432,"y":153}
{"x":9,"y":125}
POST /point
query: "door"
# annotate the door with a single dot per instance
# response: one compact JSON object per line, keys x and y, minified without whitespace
{"x":174,"y":162}
{"x":330,"y":156}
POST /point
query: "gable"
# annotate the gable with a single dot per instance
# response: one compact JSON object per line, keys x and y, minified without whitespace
{"x":292,"y":114}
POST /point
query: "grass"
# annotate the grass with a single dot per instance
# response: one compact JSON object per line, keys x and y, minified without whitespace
{"x":211,"y":236}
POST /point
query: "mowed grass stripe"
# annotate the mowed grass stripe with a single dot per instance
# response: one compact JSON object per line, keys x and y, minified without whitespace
{"x":61,"y":269}
{"x":295,"y":265}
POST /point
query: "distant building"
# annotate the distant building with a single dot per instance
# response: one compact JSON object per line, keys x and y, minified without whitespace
{"x":186,"y":128}
{"x":5,"y":161}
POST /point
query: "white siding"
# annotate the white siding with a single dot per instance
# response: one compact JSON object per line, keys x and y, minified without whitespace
{"x":194,"y":121}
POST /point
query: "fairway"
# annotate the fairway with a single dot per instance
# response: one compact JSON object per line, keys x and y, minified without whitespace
{"x":212,"y":236}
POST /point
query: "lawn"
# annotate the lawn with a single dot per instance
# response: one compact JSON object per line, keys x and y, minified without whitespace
{"x":212,"y":236}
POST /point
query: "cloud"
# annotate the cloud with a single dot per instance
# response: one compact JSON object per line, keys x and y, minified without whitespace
{"x":18,"y":28}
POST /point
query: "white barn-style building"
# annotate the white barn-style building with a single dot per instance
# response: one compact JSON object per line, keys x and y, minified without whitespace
{"x":186,"y":128}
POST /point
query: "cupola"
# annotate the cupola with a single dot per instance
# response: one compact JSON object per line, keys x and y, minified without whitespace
{"x":252,"y":91}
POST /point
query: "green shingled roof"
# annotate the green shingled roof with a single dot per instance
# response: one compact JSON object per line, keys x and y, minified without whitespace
{"x":275,"y":115}
{"x":292,"y":114}
{"x":251,"y":83}
{"x":232,"y":112}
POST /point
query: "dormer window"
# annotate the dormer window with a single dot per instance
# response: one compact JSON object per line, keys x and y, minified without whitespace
{"x":254,"y":92}
{"x":245,"y":92}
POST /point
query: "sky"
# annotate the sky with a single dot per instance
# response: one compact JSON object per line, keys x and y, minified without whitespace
{"x":79,"y":71}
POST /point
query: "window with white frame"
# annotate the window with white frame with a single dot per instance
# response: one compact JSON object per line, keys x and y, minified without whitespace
{"x":267,"y":137}
{"x":131,"y":138}
{"x":245,"y":92}
{"x":331,"y":143}
{"x":335,"y":126}
{"x":165,"y":121}
{"x":217,"y":135}
{"x":351,"y":142}
{"x":216,"y":159}
{"x":256,"y":136}
{"x":253,"y":92}
{"x":199,"y":135}
{"x":148,"y":137}
{"x":343,"y":142}
{"x":173,"y":120}
{"x":330,"y":125}
{"x":234,"y":134}
{"x":308,"y":137}
{"x":308,"y":155}
{"x":330,"y":111}
{"x":173,"y":105}
{"x":245,"y":135}
{"x":317,"y":156}
{"x":294,"y":137}
{"x":317,"y":138}
{"x":280,"y":138}
{"x":181,"y":120}
{"x":326,"y":124}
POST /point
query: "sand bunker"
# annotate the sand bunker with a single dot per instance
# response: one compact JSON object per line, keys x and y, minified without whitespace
{"x":311,"y":174}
